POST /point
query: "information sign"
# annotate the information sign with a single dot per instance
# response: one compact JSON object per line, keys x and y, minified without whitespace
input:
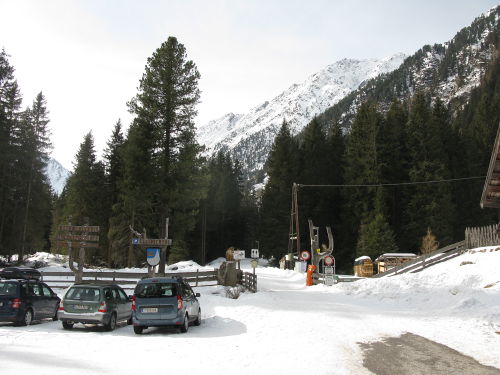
{"x":329,"y":276}
{"x":239,"y":254}
{"x":152,"y":241}
{"x":254,"y":253}
{"x":153,"y":256}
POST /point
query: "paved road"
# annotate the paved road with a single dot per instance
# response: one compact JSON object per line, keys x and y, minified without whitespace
{"x":415,"y":355}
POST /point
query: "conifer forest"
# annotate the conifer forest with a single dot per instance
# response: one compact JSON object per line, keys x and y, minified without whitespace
{"x":401,"y":166}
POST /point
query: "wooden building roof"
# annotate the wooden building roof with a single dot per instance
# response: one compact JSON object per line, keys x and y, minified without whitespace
{"x":491,"y":190}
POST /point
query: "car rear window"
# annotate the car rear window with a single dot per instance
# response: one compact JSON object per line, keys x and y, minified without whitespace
{"x":8,"y":289}
{"x":155,"y":290}
{"x":84,"y":294}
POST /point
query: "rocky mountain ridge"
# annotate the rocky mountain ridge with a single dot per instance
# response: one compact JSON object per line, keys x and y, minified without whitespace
{"x":249,"y":137}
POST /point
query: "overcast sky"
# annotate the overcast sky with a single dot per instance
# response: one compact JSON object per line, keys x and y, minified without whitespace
{"x":87,"y":56}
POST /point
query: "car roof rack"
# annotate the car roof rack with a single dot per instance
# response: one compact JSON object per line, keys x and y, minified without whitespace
{"x":21,"y":273}
{"x":97,"y":282}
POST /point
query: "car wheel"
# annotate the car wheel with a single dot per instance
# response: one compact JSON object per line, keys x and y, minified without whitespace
{"x":54,"y":317}
{"x":197,"y":322}
{"x":67,"y":325}
{"x":185,"y":324}
{"x":138,"y":330}
{"x":111,"y":325}
{"x":27,"y":318}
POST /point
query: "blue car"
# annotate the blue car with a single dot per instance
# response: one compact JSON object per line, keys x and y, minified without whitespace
{"x":164,"y":301}
{"x":25,"y":300}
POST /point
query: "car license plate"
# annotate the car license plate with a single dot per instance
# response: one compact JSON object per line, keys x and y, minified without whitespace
{"x":150,"y":310}
{"x":1,"y":304}
{"x":81,"y":307}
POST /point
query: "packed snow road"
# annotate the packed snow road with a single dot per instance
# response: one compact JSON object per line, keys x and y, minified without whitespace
{"x":285,"y":328}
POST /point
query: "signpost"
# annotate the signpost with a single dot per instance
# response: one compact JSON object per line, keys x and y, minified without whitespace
{"x":154,"y":249}
{"x":78,"y":236}
{"x":329,"y":270}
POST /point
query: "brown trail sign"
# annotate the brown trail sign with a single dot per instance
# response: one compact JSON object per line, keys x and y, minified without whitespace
{"x":81,"y":241}
{"x":78,"y":237}
{"x":79,"y":228}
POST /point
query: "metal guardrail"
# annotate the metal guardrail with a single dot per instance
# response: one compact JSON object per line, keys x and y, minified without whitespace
{"x":127,"y":279}
{"x":426,"y":260}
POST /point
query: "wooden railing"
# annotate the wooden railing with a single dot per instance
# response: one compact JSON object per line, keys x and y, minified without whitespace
{"x":249,"y":281}
{"x":127,"y":280}
{"x":426,"y":260}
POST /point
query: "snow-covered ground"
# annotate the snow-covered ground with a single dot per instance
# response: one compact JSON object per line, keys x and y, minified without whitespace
{"x":285,"y":328}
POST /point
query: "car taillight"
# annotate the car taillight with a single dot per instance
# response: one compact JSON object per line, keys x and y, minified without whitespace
{"x":179,"y":302}
{"x":16,"y":303}
{"x":103,"y":307}
{"x":133,"y":303}
{"x":61,"y":306}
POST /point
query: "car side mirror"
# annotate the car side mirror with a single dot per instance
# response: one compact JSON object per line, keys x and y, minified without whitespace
{"x":197,"y":294}
{"x":130,"y":298}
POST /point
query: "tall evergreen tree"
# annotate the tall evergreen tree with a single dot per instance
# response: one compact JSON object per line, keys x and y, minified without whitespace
{"x":428,"y":205}
{"x":282,"y":170}
{"x":32,"y":162}
{"x":84,"y":199}
{"x":162,"y":166}
{"x":361,"y":167}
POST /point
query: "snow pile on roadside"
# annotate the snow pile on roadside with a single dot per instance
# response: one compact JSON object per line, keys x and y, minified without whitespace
{"x":469,"y":283}
{"x":43,"y":259}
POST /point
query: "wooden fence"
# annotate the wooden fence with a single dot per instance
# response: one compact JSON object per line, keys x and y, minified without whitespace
{"x":482,"y":236}
{"x":127,"y":280}
{"x":250,"y":281}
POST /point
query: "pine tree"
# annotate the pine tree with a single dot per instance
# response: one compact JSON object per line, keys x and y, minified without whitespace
{"x":361,"y":167}
{"x":162,"y":167}
{"x":84,"y":199}
{"x":376,"y":236}
{"x":282,"y":171}
{"x":32,"y":162}
{"x":428,"y":205}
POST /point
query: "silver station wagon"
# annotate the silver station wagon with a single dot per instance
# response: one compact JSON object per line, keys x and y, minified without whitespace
{"x":164,"y":302}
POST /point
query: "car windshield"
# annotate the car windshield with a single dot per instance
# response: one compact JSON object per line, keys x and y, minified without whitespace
{"x":8,"y":289}
{"x":150,"y":290}
{"x":84,"y":294}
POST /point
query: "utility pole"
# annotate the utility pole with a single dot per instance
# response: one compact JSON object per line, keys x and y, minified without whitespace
{"x":294,"y":221}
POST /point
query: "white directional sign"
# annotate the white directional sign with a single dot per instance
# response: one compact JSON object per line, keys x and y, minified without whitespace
{"x":239,"y":254}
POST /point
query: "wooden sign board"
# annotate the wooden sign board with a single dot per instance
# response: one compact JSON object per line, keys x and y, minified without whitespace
{"x":76,"y":228}
{"x":77,"y":245}
{"x":152,"y":242}
{"x":78,"y":237}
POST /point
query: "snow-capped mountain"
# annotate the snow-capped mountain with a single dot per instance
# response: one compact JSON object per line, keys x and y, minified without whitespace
{"x":249,"y":137}
{"x":57,"y":175}
{"x":447,"y":71}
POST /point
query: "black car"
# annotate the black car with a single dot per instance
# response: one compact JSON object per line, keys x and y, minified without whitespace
{"x":22,"y":301}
